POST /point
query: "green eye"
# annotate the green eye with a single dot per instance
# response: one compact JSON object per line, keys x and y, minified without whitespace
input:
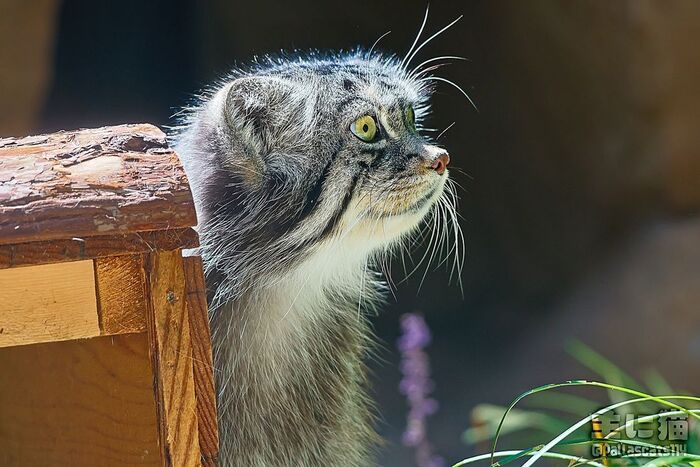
{"x":364,"y":128}
{"x":411,"y":118}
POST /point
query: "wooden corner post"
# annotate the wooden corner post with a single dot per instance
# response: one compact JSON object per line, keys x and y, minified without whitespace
{"x":171,"y":357}
{"x":105,"y":348}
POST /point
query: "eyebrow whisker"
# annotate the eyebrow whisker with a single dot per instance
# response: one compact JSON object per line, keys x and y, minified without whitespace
{"x":410,"y":58}
{"x":425,"y":20}
{"x":369,"y":54}
{"x":417,"y":70}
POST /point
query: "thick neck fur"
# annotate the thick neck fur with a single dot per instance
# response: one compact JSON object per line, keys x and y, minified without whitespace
{"x":289,"y":349}
{"x":291,"y":376}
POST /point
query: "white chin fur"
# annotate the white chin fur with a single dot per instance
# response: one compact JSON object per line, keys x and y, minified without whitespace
{"x":370,"y":235}
{"x":360,"y":237}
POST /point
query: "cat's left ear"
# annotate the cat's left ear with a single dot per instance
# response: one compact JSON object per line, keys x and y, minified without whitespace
{"x":250,"y":111}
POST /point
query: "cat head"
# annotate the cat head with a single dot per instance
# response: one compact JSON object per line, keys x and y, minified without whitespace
{"x":335,"y":141}
{"x":301,"y":153}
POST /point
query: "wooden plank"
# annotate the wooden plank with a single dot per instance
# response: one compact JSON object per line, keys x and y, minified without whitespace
{"x":121,"y":292}
{"x":101,"y":181}
{"x":55,"y":251}
{"x":203,"y":366}
{"x":47,"y":303}
{"x":171,"y":359}
{"x":81,"y":403}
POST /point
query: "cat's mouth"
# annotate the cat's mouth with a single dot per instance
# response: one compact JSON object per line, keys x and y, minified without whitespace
{"x":387,"y":215}
{"x":417,"y":206}
{"x":415,"y":200}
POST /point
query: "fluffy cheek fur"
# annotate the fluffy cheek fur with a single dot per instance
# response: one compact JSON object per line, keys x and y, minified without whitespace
{"x":377,"y":220}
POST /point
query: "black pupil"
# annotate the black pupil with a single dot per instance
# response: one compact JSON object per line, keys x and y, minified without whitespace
{"x":365,"y":128}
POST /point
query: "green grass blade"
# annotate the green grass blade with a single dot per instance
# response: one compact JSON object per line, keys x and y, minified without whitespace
{"x":607,"y":370}
{"x":551,"y":455}
{"x":656,"y":383}
{"x":563,"y":402}
{"x":597,"y":363}
{"x":641,"y":398}
{"x":586,"y":420}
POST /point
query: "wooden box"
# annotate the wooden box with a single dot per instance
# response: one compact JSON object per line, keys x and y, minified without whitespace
{"x":105,"y":354}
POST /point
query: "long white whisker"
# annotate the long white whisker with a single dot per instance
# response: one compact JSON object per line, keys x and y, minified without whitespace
{"x":430,"y":39}
{"x":445,"y":130}
{"x":429,"y":69}
{"x":435,"y":59}
{"x":459,"y":239}
{"x":402,"y":250}
{"x":420,"y":31}
{"x":362,"y":289}
{"x":445,"y":80}
{"x":430,"y":225}
{"x":432,"y":251}
{"x":369,"y":54}
{"x":445,"y":231}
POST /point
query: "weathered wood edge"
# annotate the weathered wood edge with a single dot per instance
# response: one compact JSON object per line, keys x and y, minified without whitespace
{"x":202,"y":361}
{"x":100,"y":181}
{"x":75,"y":249}
{"x":171,"y":360}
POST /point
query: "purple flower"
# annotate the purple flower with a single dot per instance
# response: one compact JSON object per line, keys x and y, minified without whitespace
{"x":416,"y":385}
{"x":416,"y":333}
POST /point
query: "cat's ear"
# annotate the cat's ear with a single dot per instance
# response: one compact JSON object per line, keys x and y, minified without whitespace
{"x":252,"y":105}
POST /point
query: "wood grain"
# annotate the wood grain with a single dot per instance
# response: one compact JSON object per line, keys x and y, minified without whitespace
{"x":101,"y":181}
{"x":171,"y":360}
{"x":47,"y":303}
{"x":202,"y":364}
{"x":121,"y":293}
{"x":81,"y":403}
{"x":53,"y":251}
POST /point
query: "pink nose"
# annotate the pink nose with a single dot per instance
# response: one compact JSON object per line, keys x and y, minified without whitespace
{"x":440,"y":163}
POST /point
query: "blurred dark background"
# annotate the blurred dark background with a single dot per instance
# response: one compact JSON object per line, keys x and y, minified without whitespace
{"x":581,"y":207}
